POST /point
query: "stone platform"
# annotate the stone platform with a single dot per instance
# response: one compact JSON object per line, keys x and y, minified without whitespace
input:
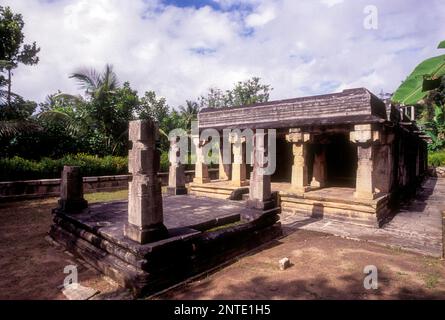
{"x":203,"y":233}
{"x":416,"y":225}
{"x":336,"y":203}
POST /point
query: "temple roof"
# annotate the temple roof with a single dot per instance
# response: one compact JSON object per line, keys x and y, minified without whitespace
{"x":347,"y":107}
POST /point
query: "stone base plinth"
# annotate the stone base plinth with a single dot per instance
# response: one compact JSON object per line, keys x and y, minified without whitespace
{"x":365,"y":195}
{"x":146,"y":234}
{"x":73,"y":205}
{"x":97,"y":237}
{"x":343,"y":208}
{"x":301,"y":189}
{"x":317,"y":184}
{"x":176,"y":191}
{"x":201,"y":180}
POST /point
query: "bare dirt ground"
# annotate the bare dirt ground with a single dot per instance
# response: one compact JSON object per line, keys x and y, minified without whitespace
{"x":30,"y":267}
{"x":323,"y":266}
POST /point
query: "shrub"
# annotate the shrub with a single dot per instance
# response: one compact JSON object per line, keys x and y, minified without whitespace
{"x":436,"y":158}
{"x":22,"y":169}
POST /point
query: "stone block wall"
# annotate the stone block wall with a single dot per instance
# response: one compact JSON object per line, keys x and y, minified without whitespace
{"x":35,"y":189}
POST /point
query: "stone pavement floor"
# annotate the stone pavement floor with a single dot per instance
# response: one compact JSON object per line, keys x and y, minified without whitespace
{"x":417,"y":226}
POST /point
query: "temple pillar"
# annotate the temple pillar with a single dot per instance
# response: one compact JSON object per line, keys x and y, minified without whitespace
{"x":319,"y":172}
{"x":299,"y":142}
{"x":225,"y":167}
{"x":71,"y":190}
{"x":418,"y":160}
{"x":176,"y":175}
{"x":363,"y":136}
{"x":260,"y":196}
{"x":239,"y":169}
{"x":201,"y":168}
{"x":145,"y":212}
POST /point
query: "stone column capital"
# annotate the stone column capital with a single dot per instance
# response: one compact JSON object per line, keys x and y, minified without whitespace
{"x":297,"y":136}
{"x":364,"y":134}
{"x":235,"y":138}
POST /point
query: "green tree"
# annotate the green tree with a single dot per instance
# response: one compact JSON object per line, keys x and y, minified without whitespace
{"x":249,"y":92}
{"x":189,"y":113}
{"x":157,"y":109}
{"x":244,"y":93}
{"x":100,"y":119}
{"x":12,"y":50}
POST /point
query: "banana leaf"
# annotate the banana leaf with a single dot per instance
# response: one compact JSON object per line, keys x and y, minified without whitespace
{"x":423,"y":79}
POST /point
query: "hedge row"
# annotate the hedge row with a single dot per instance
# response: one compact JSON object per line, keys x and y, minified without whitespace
{"x":436,"y":158}
{"x":17,"y":168}
{"x":22,"y":169}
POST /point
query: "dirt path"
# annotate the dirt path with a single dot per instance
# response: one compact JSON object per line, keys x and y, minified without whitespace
{"x":324,"y":267}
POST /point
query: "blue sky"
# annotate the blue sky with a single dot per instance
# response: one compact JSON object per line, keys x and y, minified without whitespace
{"x":182,"y":48}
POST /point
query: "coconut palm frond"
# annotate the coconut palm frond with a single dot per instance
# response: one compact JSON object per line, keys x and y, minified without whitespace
{"x":12,"y":127}
{"x":87,"y":79}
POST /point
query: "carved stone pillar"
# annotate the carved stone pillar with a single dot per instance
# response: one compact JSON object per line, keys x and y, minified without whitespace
{"x":260,"y":182}
{"x":364,"y":137}
{"x":71,"y":190}
{"x":319,"y":172}
{"x":239,"y":170}
{"x":225,"y":166}
{"x":176,"y":175}
{"x":145,"y":212}
{"x":201,"y":169}
{"x":299,"y":142}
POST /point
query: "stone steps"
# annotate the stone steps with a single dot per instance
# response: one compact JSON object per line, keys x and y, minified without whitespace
{"x":212,"y":191}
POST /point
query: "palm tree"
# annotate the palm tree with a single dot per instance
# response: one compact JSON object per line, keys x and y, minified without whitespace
{"x":97,"y":85}
{"x":189,"y":112}
{"x":95,"y":110}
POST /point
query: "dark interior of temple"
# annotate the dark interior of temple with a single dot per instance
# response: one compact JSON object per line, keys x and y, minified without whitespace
{"x":341,"y":158}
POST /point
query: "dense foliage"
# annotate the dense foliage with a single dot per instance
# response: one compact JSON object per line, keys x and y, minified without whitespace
{"x":437,"y":158}
{"x":17,"y":168}
{"x":425,"y":89}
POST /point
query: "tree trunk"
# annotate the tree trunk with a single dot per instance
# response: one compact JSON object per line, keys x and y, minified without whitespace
{"x":9,"y":88}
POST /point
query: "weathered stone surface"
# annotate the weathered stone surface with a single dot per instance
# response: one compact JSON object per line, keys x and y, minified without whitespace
{"x":349,"y":106}
{"x":225,"y":166}
{"x":239,"y":170}
{"x":79,"y":292}
{"x":260,"y":196}
{"x":190,"y":248}
{"x":71,"y":194}
{"x":176,"y":176}
{"x":300,"y":178}
{"x":364,"y":188}
{"x":201,"y":169}
{"x":284,"y":264}
{"x":416,"y":227}
{"x":145,"y":212}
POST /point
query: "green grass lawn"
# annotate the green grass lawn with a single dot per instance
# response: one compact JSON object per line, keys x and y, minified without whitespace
{"x":106,"y":196}
{"x":110,"y":196}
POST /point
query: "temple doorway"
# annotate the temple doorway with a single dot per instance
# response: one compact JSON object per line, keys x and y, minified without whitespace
{"x":341,"y":161}
{"x":284,"y":160}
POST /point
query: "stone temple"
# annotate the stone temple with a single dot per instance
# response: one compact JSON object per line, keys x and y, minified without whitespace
{"x":345,"y":156}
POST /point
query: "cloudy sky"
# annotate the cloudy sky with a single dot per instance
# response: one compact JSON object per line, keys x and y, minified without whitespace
{"x":181,"y":48}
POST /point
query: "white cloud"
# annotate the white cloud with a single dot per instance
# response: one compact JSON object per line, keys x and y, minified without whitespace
{"x":299,"y":47}
{"x":331,"y":3}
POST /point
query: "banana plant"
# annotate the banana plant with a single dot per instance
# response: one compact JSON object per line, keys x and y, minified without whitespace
{"x":425,"y":78}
